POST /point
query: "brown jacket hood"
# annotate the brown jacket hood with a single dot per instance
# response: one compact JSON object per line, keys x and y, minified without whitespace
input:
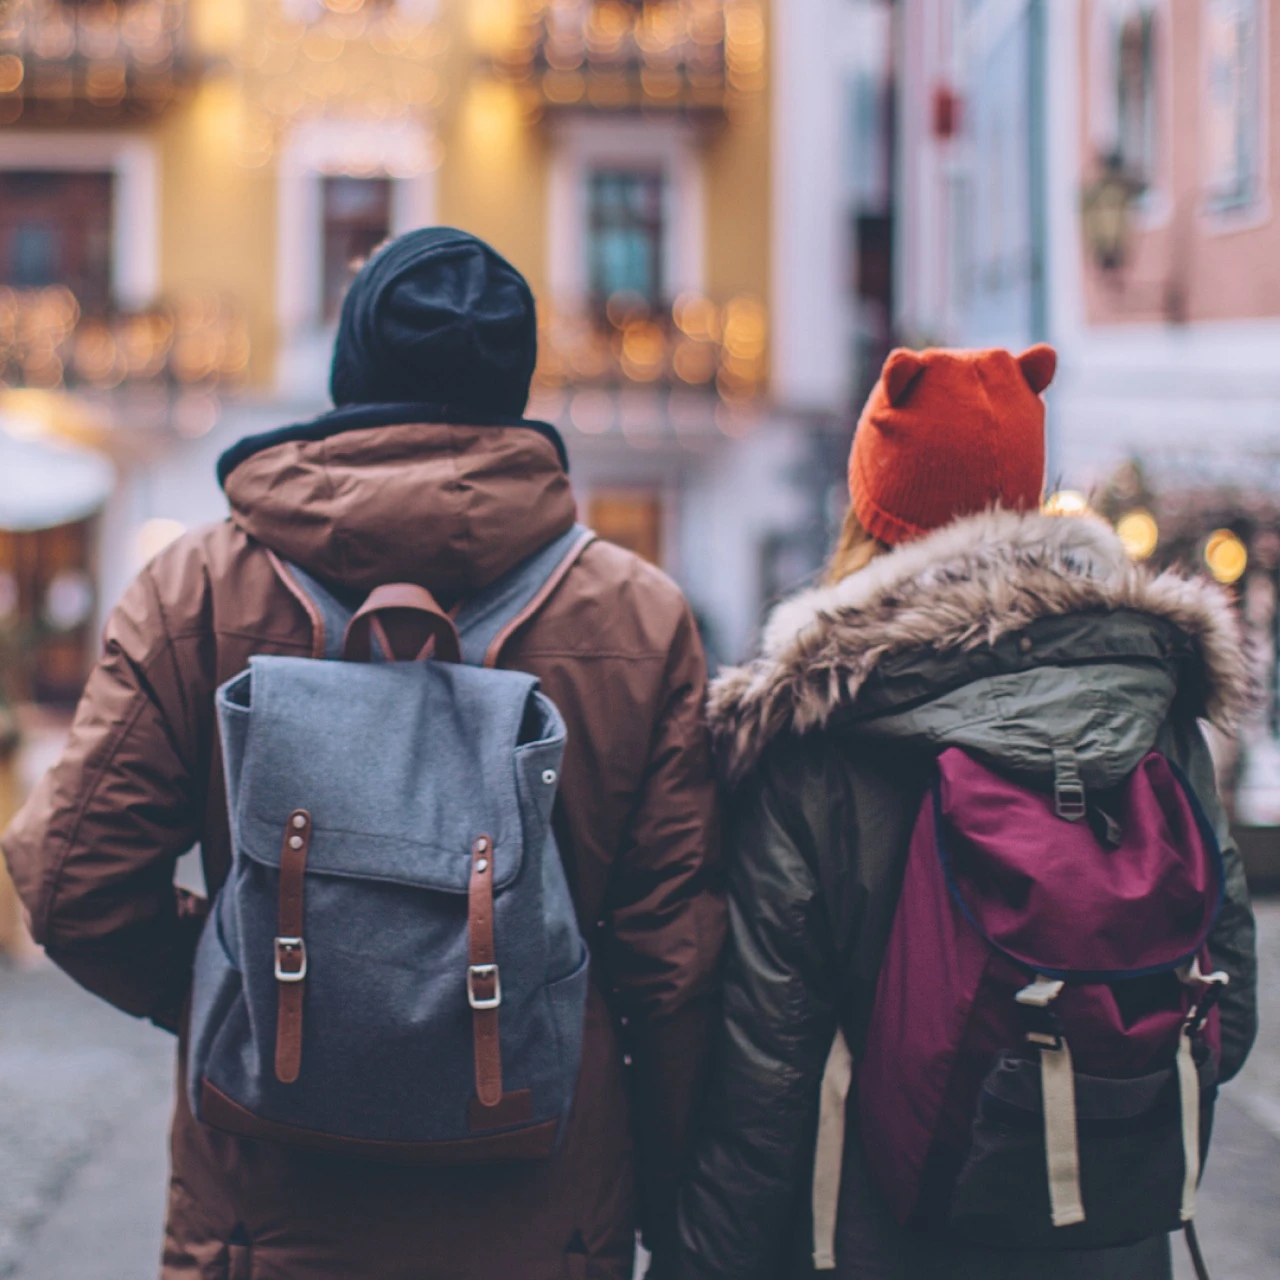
{"x":956,"y":590}
{"x":449,"y":506}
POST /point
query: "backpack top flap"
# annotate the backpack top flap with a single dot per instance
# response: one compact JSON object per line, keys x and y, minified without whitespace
{"x":380,"y":755}
{"x":1050,"y":895}
{"x":352,"y":743}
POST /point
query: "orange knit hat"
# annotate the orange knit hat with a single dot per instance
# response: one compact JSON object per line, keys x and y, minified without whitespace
{"x":947,"y":434}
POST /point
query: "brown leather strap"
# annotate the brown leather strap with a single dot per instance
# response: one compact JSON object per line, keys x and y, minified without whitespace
{"x":484,"y":982}
{"x":406,"y":602}
{"x":290,"y":948}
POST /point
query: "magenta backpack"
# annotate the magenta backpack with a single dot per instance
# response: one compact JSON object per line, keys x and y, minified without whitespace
{"x":1041,"y":1061}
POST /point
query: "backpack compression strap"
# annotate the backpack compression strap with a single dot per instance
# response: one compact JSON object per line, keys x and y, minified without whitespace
{"x":829,"y":1152}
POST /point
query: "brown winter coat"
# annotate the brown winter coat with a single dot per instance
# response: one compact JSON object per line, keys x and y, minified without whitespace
{"x":615,"y":647}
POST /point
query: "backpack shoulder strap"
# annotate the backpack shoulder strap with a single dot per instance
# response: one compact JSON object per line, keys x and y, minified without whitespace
{"x":490,"y":618}
{"x":329,"y":615}
{"x":485,"y":622}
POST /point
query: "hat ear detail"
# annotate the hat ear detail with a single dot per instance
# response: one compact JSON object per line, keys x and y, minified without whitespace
{"x":901,"y":372}
{"x":1038,"y":365}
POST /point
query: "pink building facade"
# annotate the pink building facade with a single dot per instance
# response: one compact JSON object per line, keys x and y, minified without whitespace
{"x":1105,"y":175}
{"x":1182,"y":94}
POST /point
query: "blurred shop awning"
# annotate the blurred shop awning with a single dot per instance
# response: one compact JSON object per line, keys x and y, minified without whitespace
{"x":46,"y":482}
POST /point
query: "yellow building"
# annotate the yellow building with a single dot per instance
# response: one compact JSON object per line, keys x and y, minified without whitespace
{"x":185,"y":185}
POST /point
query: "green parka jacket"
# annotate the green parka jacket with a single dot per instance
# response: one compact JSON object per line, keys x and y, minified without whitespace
{"x":1003,"y":634}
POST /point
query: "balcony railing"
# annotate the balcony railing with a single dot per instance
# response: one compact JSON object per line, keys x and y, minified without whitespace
{"x":197,"y":341}
{"x":91,"y":60}
{"x":692,"y":56}
{"x":656,"y":373}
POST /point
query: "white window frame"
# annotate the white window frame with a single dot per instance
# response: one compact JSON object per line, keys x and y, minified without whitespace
{"x":1224,"y":219}
{"x":135,"y":201}
{"x":1154,"y":207}
{"x":402,"y":151}
{"x":670,"y":147}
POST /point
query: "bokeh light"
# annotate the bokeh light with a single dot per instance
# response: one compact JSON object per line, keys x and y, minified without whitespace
{"x":1226,"y":556}
{"x":1139,"y":533}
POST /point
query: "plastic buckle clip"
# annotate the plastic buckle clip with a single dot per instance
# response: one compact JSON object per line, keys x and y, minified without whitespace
{"x":295,"y":951}
{"x":1069,"y":801}
{"x":1036,"y":1003}
{"x":483,"y":972}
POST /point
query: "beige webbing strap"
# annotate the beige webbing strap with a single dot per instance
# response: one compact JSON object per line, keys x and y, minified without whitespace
{"x":829,"y":1156}
{"x":1061,"y":1145}
{"x":1058,"y":1100}
{"x":1189,"y":1085}
{"x":1189,"y":1091}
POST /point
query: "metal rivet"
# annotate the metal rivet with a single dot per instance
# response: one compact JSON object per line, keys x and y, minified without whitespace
{"x":548,"y":776}
{"x":483,"y":864}
{"x":295,"y":842}
{"x":1025,"y":644}
{"x":299,"y":821}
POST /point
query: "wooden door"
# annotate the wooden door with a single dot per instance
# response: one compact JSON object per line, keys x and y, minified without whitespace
{"x":630,"y":518}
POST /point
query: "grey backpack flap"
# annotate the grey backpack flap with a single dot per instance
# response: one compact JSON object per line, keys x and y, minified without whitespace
{"x":393,"y":968}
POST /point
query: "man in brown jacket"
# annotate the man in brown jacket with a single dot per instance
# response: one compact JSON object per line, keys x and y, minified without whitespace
{"x":425,"y":473}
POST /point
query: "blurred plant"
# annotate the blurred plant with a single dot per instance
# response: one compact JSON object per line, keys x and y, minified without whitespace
{"x":1192,"y":522}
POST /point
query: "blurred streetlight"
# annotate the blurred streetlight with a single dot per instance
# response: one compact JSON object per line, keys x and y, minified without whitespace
{"x":1104,"y":214}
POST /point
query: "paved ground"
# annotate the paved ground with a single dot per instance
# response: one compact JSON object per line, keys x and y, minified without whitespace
{"x":84,"y":1101}
{"x":85,"y":1095}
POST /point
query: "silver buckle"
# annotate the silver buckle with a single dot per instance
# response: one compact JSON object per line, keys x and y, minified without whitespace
{"x":293,"y":948}
{"x":484,"y":971}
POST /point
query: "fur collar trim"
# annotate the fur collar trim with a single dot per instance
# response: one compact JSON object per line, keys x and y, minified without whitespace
{"x":963,"y":586}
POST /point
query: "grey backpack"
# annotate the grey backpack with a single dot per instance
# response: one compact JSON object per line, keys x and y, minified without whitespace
{"x":394,"y":968}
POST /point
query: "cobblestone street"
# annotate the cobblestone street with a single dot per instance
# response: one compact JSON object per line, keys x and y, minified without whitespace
{"x":85,"y":1096}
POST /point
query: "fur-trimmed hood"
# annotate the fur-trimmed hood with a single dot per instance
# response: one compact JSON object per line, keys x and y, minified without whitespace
{"x":958,"y":589}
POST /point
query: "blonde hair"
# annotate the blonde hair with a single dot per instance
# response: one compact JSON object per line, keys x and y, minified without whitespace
{"x":854,"y":550}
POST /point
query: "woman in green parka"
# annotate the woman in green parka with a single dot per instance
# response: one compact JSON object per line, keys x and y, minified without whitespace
{"x":955,"y":614}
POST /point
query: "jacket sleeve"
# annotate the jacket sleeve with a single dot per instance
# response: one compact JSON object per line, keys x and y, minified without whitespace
{"x":754,"y":1154}
{"x":92,"y":851}
{"x":1233,"y":942}
{"x":666,"y":927}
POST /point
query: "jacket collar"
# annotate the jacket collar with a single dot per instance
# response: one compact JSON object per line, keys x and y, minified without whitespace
{"x":960,"y":588}
{"x":364,"y":416}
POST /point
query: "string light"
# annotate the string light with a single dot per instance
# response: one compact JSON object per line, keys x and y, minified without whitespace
{"x":1226,"y":556}
{"x":665,"y":54}
{"x":1066,"y":502}
{"x":45,"y":342}
{"x":1139,"y":533}
{"x":352,"y":59}
{"x":695,"y":343}
{"x":100,"y":60}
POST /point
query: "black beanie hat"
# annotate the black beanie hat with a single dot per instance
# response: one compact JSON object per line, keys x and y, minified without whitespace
{"x":437,"y":316}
